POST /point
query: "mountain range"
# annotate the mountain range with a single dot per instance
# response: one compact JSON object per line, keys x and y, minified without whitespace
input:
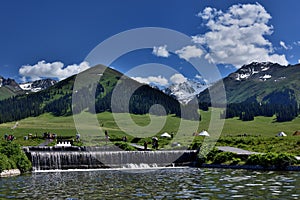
{"x":38,"y":85}
{"x":254,"y":89}
{"x":9,"y":87}
{"x":94,"y":97}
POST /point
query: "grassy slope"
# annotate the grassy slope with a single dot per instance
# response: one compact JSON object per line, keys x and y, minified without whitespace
{"x":6,"y":93}
{"x":263,"y":127}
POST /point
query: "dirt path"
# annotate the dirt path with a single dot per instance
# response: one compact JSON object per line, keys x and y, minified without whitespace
{"x":47,"y":141}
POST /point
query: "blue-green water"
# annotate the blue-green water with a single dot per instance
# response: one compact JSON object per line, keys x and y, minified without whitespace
{"x":172,"y":183}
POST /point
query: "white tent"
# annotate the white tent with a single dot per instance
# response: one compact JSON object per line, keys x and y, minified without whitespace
{"x":281,"y":134}
{"x":204,"y":133}
{"x":165,"y":135}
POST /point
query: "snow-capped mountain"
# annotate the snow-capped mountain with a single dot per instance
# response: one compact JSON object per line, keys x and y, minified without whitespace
{"x":262,"y":82}
{"x":185,"y":91}
{"x":38,"y":85}
{"x":260,"y":71}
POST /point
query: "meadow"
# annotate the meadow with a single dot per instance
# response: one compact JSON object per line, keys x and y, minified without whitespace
{"x":258,"y":135}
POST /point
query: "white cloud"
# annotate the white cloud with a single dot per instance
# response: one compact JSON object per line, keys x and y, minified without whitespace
{"x":297,"y":43}
{"x":283,"y":45}
{"x":237,"y":36}
{"x":197,"y":76}
{"x":157,"y":80}
{"x":189,"y":52}
{"x":161,"y":51}
{"x":299,"y":61}
{"x":51,"y":70}
{"x":178,"y":78}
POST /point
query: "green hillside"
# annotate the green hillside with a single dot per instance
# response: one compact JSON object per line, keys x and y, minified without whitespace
{"x":258,"y":89}
{"x":93,"y":93}
{"x":7,"y":91}
{"x":240,"y":90}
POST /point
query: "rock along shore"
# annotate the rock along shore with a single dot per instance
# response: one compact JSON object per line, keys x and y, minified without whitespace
{"x":11,"y":172}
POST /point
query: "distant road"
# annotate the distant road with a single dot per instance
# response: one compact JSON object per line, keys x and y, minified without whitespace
{"x":238,"y":151}
{"x":139,"y":147}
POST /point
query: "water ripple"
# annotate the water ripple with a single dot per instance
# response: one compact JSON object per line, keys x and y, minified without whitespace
{"x":182,"y":183}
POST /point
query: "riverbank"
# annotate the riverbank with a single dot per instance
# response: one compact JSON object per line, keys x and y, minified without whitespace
{"x":11,"y":172}
{"x":250,"y":167}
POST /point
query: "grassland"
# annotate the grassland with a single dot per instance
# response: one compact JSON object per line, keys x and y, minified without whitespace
{"x":260,"y":133}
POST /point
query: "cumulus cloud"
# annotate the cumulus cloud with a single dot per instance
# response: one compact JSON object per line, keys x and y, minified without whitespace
{"x":237,"y":36}
{"x":161,"y":51}
{"x":178,"y":78}
{"x":51,"y":70}
{"x":156,"y":80}
{"x":189,"y":52}
{"x":299,"y":61}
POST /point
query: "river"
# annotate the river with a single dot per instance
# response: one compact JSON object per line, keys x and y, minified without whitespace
{"x":164,"y":183}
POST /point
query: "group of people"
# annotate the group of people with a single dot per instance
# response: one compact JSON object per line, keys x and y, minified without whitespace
{"x":154,"y":144}
{"x":9,"y":137}
{"x":48,"y":135}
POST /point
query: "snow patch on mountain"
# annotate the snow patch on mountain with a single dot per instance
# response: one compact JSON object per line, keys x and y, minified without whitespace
{"x":256,"y":70}
{"x":265,"y":77}
{"x":184,"y":92}
{"x":38,"y":85}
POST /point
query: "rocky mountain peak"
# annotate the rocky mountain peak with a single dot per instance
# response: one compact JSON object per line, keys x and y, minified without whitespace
{"x":38,"y":85}
{"x":185,"y":91}
{"x":261,"y":71}
{"x":8,"y":82}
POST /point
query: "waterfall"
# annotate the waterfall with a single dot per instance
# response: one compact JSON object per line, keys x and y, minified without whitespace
{"x":81,"y":158}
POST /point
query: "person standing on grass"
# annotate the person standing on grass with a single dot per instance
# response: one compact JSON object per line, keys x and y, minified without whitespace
{"x":77,"y":137}
{"x":106,"y":136}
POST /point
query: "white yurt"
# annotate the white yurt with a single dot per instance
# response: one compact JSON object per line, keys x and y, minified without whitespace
{"x":281,"y":134}
{"x":165,"y":134}
{"x":204,"y":133}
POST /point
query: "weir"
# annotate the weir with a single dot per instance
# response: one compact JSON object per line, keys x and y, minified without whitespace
{"x":50,"y":158}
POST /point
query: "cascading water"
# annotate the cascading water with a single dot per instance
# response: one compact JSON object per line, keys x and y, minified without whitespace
{"x":81,"y":158}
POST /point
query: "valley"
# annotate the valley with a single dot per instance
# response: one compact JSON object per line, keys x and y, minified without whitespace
{"x":260,"y":133}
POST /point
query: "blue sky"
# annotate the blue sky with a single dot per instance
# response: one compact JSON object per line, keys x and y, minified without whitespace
{"x":53,"y":38}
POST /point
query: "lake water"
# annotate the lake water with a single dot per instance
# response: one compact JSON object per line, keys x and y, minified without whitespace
{"x":171,"y":183}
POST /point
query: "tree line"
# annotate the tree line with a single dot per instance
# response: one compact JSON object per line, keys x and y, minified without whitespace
{"x":282,"y":104}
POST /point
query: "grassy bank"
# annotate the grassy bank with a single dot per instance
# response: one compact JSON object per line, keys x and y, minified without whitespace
{"x":271,"y":160}
{"x":258,"y":135}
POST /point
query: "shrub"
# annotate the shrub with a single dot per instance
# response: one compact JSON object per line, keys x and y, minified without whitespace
{"x":280,"y":160}
{"x":223,"y":157}
{"x":14,"y":157}
{"x":235,"y":161}
{"x":254,"y":159}
{"x":22,"y":162}
{"x":4,"y":163}
{"x":125,"y":146}
{"x":283,"y":160}
{"x":9,"y":149}
{"x":211,"y":155}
